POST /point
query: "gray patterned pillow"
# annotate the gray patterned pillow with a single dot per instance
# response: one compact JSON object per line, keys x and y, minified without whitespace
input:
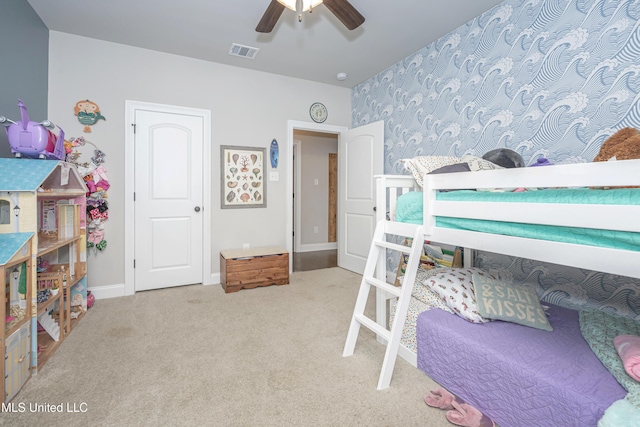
{"x":454,"y":286}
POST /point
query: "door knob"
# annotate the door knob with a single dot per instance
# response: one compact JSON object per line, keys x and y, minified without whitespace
{"x":375,"y":208}
{"x":197,"y":209}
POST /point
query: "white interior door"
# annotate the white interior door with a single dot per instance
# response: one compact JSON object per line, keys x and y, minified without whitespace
{"x":168,"y":199}
{"x":360,"y":157}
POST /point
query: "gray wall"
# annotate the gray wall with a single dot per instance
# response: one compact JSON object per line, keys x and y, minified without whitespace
{"x":248,"y":108}
{"x":24,"y":64}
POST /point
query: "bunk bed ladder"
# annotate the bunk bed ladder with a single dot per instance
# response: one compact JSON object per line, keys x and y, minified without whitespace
{"x":391,"y":336}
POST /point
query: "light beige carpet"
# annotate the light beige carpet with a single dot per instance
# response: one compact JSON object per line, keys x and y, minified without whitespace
{"x":196,"y":356}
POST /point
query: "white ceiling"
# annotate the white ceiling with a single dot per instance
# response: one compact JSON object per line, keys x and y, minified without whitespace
{"x":316,"y":49}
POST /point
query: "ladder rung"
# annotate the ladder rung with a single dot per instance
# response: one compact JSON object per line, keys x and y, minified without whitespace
{"x":394,"y":246}
{"x":393,"y":290}
{"x":379,"y":330}
{"x":393,"y":335}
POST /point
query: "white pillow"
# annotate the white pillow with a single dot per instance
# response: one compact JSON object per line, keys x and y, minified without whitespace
{"x":455,"y":287}
{"x":422,"y":165}
{"x":480,"y":164}
{"x":425,"y":294}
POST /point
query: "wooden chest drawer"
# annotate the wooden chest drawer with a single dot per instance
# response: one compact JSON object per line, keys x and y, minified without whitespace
{"x":251,"y":268}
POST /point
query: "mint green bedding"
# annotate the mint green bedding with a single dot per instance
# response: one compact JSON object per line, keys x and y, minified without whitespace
{"x":409,"y":209}
{"x":621,"y":414}
{"x":599,"y":328}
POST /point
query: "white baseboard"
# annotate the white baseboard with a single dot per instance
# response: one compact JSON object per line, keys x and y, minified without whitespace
{"x":109,"y":291}
{"x":113,"y":291}
{"x":215,"y":279}
{"x":312,"y":247}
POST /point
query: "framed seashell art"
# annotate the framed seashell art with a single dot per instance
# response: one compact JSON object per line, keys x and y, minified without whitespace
{"x":242,"y":180}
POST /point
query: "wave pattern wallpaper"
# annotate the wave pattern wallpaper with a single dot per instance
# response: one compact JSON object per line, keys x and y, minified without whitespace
{"x":546,"y":78}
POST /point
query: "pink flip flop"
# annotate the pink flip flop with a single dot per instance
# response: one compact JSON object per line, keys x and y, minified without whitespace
{"x":440,"y":398}
{"x":466,"y":415}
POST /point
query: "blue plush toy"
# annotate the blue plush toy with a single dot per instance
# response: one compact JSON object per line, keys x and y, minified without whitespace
{"x":541,"y":161}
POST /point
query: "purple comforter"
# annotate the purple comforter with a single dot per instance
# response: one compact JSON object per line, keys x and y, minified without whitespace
{"x":516,"y":375}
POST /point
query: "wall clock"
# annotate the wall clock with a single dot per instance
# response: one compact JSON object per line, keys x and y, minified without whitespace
{"x":318,"y":112}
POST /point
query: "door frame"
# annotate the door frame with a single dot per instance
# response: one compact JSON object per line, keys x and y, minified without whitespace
{"x":129,"y":186}
{"x":297,"y":223}
{"x":308,"y":126}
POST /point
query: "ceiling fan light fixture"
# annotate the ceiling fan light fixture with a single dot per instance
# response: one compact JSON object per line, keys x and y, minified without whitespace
{"x":342,"y":9}
{"x":306,"y":4}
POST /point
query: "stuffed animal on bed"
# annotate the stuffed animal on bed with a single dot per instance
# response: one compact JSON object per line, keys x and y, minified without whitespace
{"x":622,"y":145}
{"x":505,"y":158}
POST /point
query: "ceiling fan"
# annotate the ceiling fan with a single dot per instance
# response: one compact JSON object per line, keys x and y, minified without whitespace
{"x":342,"y":9}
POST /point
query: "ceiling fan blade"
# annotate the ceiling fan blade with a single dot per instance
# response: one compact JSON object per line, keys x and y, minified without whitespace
{"x":345,"y":12}
{"x":270,"y":17}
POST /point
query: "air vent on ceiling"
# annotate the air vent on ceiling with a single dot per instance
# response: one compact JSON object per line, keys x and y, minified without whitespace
{"x":243,"y":51}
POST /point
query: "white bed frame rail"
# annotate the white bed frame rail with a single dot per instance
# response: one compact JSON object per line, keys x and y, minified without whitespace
{"x":603,"y":217}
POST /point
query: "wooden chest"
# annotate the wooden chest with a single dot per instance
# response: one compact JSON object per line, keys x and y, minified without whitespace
{"x":250,"y":268}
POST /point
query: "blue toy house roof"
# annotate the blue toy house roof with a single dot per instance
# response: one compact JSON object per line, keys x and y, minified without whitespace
{"x":24,"y":174}
{"x":10,"y":244}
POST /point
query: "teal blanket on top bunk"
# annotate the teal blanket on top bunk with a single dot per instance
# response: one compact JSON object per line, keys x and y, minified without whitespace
{"x":409,"y":209}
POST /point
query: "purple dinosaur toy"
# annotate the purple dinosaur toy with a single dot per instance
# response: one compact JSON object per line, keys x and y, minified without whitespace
{"x":32,"y":139}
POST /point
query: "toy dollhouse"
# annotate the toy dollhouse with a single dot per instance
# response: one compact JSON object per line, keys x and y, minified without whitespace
{"x":16,"y":309}
{"x":42,"y":260}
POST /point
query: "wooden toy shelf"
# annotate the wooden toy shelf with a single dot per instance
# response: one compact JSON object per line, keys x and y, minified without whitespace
{"x":17,"y":323}
{"x":68,"y":267}
{"x":16,"y":250}
{"x":46,"y":344}
{"x":46,"y":347}
{"x":44,"y":199}
{"x":43,"y":306}
{"x":47,"y":244}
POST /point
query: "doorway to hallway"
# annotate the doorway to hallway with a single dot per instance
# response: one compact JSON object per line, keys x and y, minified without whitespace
{"x":316,"y":260}
{"x":360,"y":158}
{"x":315,"y":172}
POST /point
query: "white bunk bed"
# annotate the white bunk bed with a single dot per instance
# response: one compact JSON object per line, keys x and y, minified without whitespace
{"x":620,"y":217}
